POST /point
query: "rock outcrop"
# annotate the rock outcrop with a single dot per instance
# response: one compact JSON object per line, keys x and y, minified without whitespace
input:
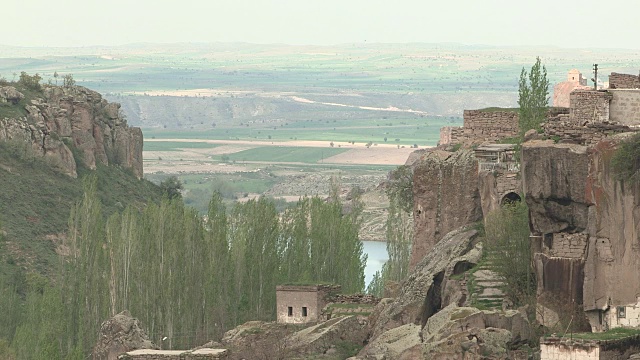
{"x":587,"y":224}
{"x":270,"y":340}
{"x":446,"y":196}
{"x":64,"y":117}
{"x":428,"y":288}
{"x":118,"y":335}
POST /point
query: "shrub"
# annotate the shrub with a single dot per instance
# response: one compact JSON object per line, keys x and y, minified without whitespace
{"x":626,"y":159}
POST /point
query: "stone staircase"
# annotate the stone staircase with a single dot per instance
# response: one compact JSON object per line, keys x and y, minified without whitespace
{"x":487,"y":292}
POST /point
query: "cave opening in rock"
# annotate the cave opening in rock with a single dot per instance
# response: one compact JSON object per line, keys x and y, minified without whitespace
{"x":462,"y":267}
{"x":433,"y":301}
{"x":510,"y":198}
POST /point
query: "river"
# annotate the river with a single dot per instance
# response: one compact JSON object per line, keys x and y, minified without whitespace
{"x":377,"y":256}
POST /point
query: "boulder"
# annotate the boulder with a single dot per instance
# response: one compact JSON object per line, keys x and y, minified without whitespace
{"x":320,"y":338}
{"x":421,"y":294}
{"x":9,"y":94}
{"x":120,"y":334}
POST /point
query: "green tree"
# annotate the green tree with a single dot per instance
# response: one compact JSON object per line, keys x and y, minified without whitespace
{"x":509,"y":249}
{"x":400,"y":187}
{"x":171,"y":186}
{"x":68,"y":81}
{"x":533,"y":97}
{"x":30,"y":81}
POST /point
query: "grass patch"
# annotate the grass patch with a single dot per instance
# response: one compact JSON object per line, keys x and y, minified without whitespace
{"x":613,"y":334}
{"x":626,"y":159}
{"x":36,"y":201}
{"x":499,"y":109}
{"x":349,"y":306}
{"x":18,"y":110}
{"x":462,"y":313}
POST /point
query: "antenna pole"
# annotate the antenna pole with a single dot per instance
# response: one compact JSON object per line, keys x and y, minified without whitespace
{"x":595,"y":78}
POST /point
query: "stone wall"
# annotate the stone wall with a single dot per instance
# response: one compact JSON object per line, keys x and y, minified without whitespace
{"x":589,"y":106}
{"x":558,"y":350}
{"x":199,"y":354}
{"x":623,"y":81}
{"x":625,"y":107}
{"x":451,"y":135}
{"x":567,"y":245}
{"x":489,"y":125}
{"x":563,"y":128}
{"x":494,"y":186}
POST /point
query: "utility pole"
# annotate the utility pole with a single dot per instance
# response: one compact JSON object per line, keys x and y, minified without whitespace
{"x":595,"y":79}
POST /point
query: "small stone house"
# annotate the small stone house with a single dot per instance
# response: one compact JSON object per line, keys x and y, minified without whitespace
{"x":300,"y":304}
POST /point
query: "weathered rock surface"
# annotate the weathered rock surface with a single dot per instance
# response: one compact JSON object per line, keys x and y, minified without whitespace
{"x":554,"y":178}
{"x":320,"y":338}
{"x":77,"y":116}
{"x":446,"y":196}
{"x":580,"y":209}
{"x":118,"y":335}
{"x":421,"y":294}
{"x":9,"y":94}
{"x":454,"y":333}
{"x":269,"y":340}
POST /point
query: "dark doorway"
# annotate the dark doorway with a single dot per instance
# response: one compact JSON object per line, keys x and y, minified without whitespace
{"x":510,"y":198}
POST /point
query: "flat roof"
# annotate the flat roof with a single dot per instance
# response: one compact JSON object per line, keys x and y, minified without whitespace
{"x":496,"y":147}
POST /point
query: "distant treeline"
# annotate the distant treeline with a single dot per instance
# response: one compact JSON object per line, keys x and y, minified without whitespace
{"x":186,"y":277}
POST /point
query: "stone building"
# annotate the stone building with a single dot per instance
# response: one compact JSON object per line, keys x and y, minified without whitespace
{"x":300,"y":304}
{"x":562,"y":90}
{"x":560,"y":349}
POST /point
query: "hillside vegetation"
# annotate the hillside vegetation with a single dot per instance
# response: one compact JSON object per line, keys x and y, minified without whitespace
{"x":36,"y":199}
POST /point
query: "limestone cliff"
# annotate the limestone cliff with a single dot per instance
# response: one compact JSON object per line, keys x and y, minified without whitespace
{"x":446,"y":196}
{"x":54,"y":119}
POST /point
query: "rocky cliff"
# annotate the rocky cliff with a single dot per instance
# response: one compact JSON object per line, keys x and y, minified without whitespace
{"x":53,"y":120}
{"x":446,"y":196}
{"x":587,"y":224}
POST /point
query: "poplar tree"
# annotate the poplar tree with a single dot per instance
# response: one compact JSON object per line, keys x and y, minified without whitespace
{"x":533,"y":97}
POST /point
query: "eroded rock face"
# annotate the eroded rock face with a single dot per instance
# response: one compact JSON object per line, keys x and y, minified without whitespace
{"x":446,"y":196}
{"x":554,"y":179}
{"x":74,"y":115}
{"x":422,"y":294}
{"x":9,"y":94}
{"x":586,"y":219}
{"x":118,"y":335}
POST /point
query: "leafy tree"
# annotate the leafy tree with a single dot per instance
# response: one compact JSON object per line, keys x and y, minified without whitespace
{"x":509,"y":249}
{"x":171,"y":186}
{"x":626,"y":159}
{"x":400,"y":187}
{"x":30,"y":81}
{"x":68,"y":81}
{"x":533,"y":97}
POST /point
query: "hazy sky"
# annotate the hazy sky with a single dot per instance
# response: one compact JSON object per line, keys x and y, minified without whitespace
{"x":566,"y":23}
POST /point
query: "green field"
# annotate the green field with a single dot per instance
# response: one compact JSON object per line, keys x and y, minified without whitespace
{"x":285,"y":154}
{"x":175,"y":146}
{"x":407,"y":131}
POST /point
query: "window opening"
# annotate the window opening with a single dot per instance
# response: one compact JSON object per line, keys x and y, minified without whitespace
{"x":304,"y":311}
{"x":290,"y":311}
